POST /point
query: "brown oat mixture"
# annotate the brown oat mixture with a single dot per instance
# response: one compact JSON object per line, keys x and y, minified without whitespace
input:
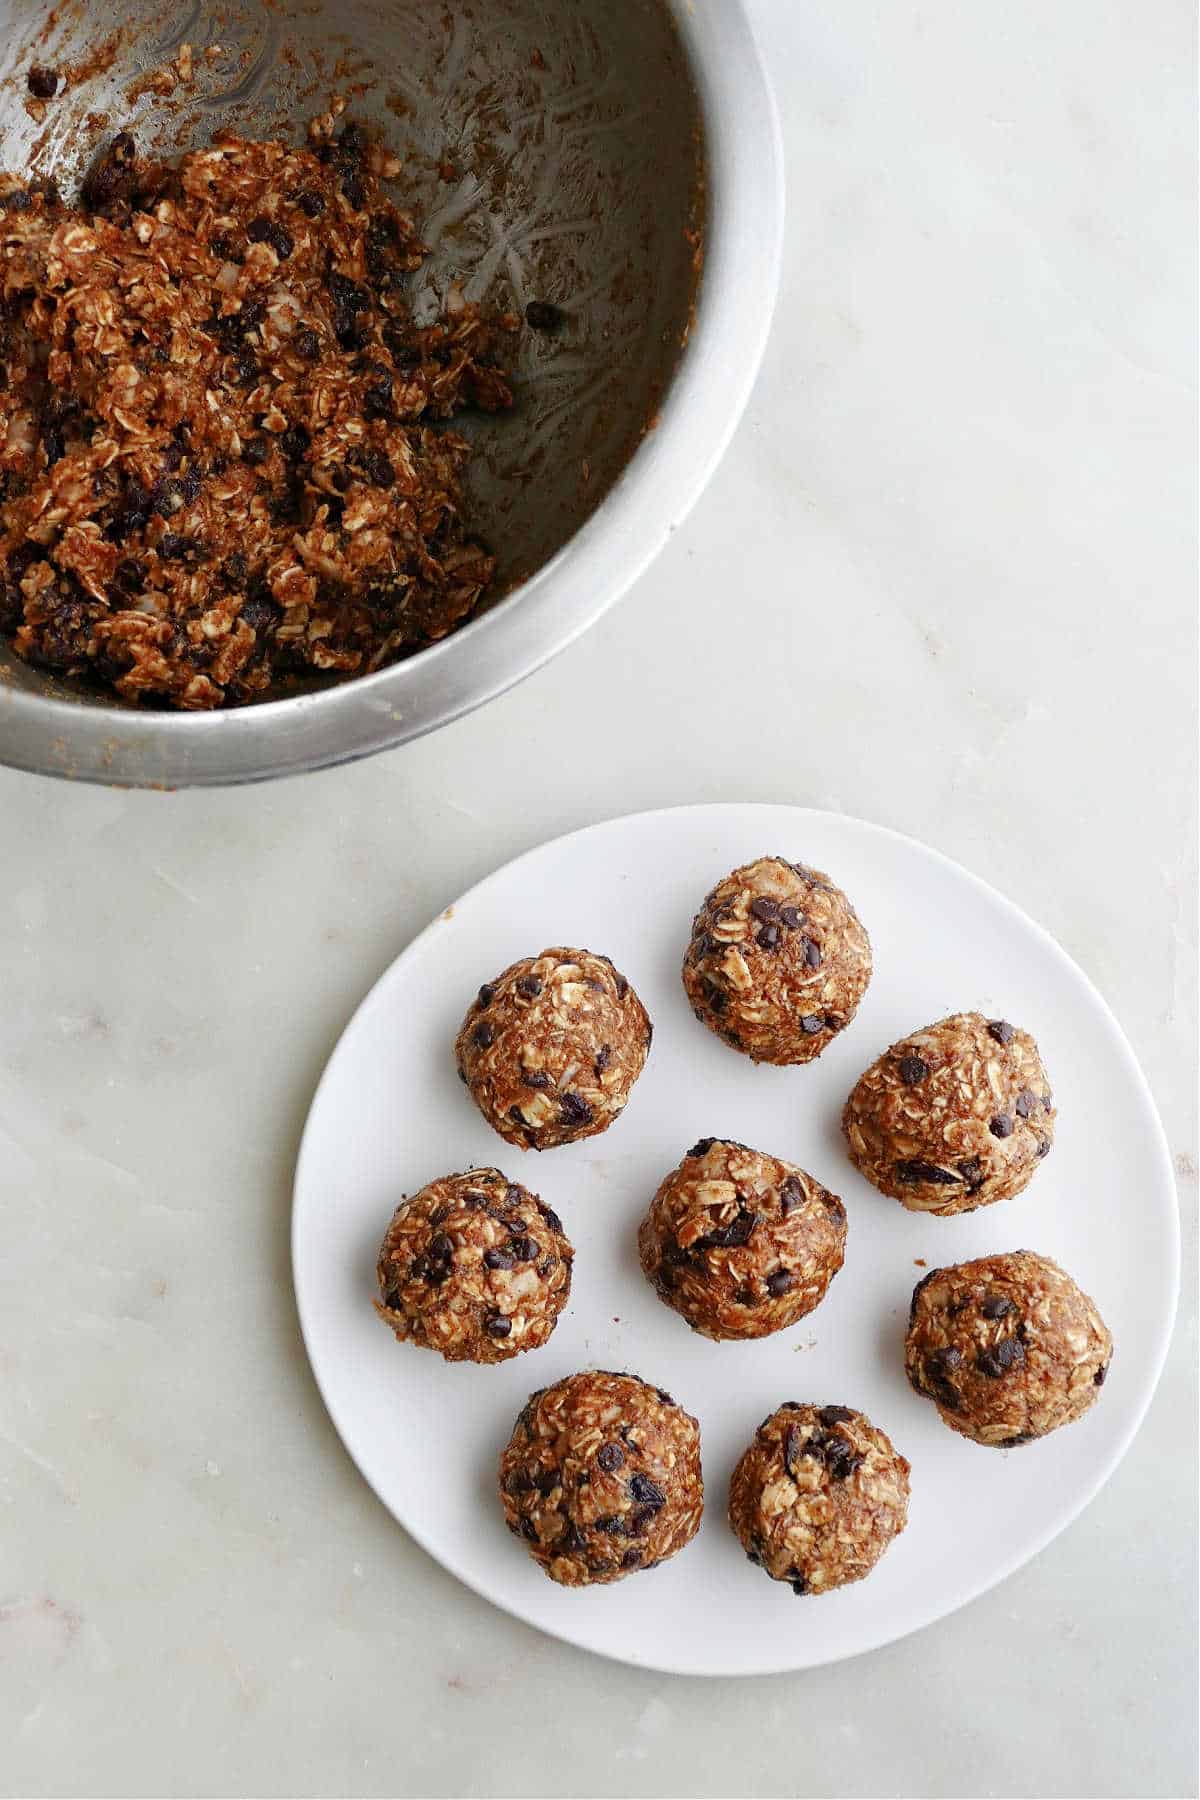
{"x":223,"y":458}
{"x":818,"y":1496}
{"x":952,"y":1117}
{"x":740,"y":1243}
{"x":602,"y":1477}
{"x":475,"y":1267}
{"x":1007,"y":1347}
{"x":551,"y":1047}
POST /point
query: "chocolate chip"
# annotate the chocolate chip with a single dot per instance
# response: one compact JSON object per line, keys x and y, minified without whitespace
{"x":1001,"y":1030}
{"x":702,"y":1147}
{"x":1026,"y":1101}
{"x":754,"y":1557}
{"x":647,"y":1492}
{"x":486,"y":995}
{"x":1010,"y":1354}
{"x":536,"y":1078}
{"x":542,"y":315}
{"x":526,"y":1249}
{"x":913,"y":1069}
{"x":550,"y":1216}
{"x":311,"y":204}
{"x":632,"y":1558}
{"x":546,"y":1480}
{"x":295,"y":443}
{"x":1043,"y":1148}
{"x":484,"y":1034}
{"x":42,"y":82}
{"x":791,"y":1194}
{"x":529,"y":1531}
{"x":1101,"y":1375}
{"x":1022,"y":1437}
{"x":270,"y":231}
{"x":793,"y":1443}
{"x":1001,"y":1126}
{"x":835,"y":1415}
{"x":716,"y":997}
{"x":938,"y":1361}
{"x":996,"y":1306}
{"x":769,"y":937}
{"x":306,"y":343}
{"x":972,"y":1173}
{"x":574,"y":1111}
{"x":791,"y":916}
{"x":910,"y":1172}
{"x":622,"y":984}
{"x":764,"y":909}
{"x":440,"y":1247}
{"x":667,"y":1399}
{"x":610,"y":1458}
{"x":602,"y":1059}
{"x":811,"y":1023}
{"x":497,"y":1259}
{"x":799,"y":1581}
{"x":497,"y":1325}
{"x":529,"y":985}
{"x":778,"y":1282}
{"x":613,"y":1525}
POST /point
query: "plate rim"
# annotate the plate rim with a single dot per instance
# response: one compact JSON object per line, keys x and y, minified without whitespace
{"x":1106,"y":1466}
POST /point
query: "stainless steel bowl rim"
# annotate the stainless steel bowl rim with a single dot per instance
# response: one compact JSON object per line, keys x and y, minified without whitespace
{"x":663,"y":480}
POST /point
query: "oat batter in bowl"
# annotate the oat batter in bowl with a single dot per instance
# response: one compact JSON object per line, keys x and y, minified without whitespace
{"x":222,"y":449}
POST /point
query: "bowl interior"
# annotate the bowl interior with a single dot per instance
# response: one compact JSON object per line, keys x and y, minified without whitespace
{"x":552,"y":151}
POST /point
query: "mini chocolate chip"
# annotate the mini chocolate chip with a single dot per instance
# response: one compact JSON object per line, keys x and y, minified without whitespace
{"x":647,"y":1492}
{"x":778,"y":1282}
{"x":546,"y":1480}
{"x":529,"y":1531}
{"x":311,"y":204}
{"x":518,"y":1483}
{"x":798,"y":1581}
{"x":486,"y":995}
{"x":1001,"y":1126}
{"x":535,"y":1078}
{"x":543,"y":315}
{"x":769,"y":937}
{"x":497,"y":1259}
{"x":1010,"y":1354}
{"x":764,"y":909}
{"x":602,"y":1059}
{"x":791,"y":1194}
{"x":1043,"y":1148}
{"x":811,"y":1023}
{"x":716,"y":997}
{"x":972,"y":1172}
{"x":42,"y":82}
{"x":792,"y":1444}
{"x":702,"y":1147}
{"x":791,"y":916}
{"x":1026,"y":1101}
{"x":909,"y":1172}
{"x":754,"y":1557}
{"x":1022,"y":1437}
{"x":550,"y":1216}
{"x":1001,"y":1030}
{"x":484,"y":1034}
{"x":610,"y":1458}
{"x":1101,"y":1375}
{"x":913,"y":1069}
{"x":995,"y":1306}
{"x":529,"y":985}
{"x":667,"y":1399}
{"x":632,"y":1558}
{"x":835,"y":1415}
{"x":938,"y":1361}
{"x":497,"y":1325}
{"x":812,"y":956}
{"x":574,"y":1111}
{"x":526,"y":1249}
{"x":440,"y":1247}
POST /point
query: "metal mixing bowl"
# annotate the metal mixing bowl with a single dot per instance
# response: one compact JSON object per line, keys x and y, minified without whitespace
{"x":576,"y":151}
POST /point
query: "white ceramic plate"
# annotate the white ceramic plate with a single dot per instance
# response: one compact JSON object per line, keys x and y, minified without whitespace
{"x":390,"y":1115}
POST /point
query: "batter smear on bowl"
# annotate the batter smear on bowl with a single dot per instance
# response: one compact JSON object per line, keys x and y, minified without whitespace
{"x":223,"y":459}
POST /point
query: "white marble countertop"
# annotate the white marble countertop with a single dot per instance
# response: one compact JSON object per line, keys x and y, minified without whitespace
{"x":968,"y":614}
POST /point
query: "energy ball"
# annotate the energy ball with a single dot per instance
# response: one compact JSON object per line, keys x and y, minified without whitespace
{"x":953,"y":1117}
{"x":1006,"y":1347}
{"x":818,"y":1496}
{"x":474,"y":1266}
{"x":740,"y":1243}
{"x":778,"y":961}
{"x":601,"y":1477}
{"x":552,"y":1047}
